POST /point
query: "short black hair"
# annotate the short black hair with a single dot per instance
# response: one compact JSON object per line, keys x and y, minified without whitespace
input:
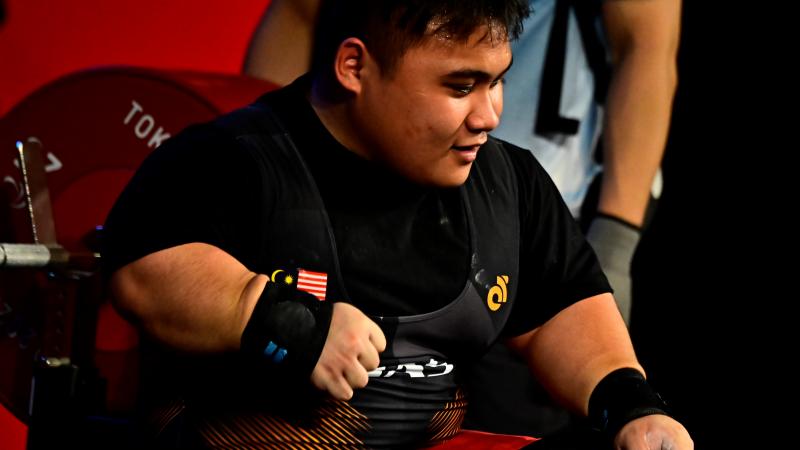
{"x":390,"y":27}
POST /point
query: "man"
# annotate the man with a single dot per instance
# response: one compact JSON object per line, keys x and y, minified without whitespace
{"x":554,"y":96}
{"x":373,"y":184}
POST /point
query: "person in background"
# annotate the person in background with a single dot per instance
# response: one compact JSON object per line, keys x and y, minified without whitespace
{"x":565,"y":103}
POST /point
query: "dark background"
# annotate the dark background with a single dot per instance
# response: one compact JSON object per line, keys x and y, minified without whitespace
{"x":710,"y":274}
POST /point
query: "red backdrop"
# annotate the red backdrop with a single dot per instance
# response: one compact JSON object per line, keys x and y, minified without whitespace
{"x":42,"y":40}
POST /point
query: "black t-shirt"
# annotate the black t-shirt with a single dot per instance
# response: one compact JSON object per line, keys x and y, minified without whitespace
{"x":403,"y":248}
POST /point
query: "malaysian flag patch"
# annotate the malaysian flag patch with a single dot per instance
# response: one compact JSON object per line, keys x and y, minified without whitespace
{"x":315,"y":283}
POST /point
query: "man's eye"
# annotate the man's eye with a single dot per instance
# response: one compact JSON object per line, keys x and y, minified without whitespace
{"x":498,"y":81}
{"x":462,"y":89}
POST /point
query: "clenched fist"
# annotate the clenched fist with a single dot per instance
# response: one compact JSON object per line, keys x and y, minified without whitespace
{"x":350,"y":352}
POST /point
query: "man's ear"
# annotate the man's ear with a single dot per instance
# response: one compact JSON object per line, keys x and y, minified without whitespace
{"x":351,"y":59}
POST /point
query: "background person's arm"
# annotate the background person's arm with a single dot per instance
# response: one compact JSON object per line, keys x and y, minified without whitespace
{"x":643,"y":36}
{"x":280,"y":49}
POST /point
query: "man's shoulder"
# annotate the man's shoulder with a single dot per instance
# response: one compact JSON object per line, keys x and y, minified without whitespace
{"x":223,"y":131}
{"x":272,"y":113}
{"x":200,"y":148}
{"x":512,"y":150}
{"x":532,"y":182}
{"x":522,"y":160}
{"x":196,"y":137}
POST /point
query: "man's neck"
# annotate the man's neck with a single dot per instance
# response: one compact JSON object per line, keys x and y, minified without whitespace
{"x":336,"y":118}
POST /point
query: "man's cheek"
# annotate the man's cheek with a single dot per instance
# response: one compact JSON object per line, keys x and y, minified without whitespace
{"x":497,"y":100}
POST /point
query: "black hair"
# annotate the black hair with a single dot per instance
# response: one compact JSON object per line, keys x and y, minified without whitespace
{"x":390,"y":27}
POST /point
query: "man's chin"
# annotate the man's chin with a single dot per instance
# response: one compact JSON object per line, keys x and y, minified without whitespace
{"x":443,"y":176}
{"x":452,"y":178}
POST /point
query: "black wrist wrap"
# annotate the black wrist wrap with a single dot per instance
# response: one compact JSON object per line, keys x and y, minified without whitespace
{"x":623,"y":395}
{"x":288,"y":328}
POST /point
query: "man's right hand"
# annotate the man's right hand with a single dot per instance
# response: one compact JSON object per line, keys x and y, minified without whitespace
{"x":350,"y":352}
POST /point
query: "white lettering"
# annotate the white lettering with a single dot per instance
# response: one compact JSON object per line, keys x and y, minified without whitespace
{"x":432,"y":368}
{"x":412,"y":370}
{"x":146,"y":119}
{"x":135,"y":109}
{"x":54,"y":163}
{"x":435,"y":364}
{"x":145,"y":125}
{"x":158,"y":137}
{"x":19,"y":201}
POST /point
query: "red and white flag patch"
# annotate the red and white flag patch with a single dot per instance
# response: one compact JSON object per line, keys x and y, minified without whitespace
{"x":315,"y":283}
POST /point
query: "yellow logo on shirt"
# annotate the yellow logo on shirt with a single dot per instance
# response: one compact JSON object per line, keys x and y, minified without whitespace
{"x":498,"y":294}
{"x":287,"y":279}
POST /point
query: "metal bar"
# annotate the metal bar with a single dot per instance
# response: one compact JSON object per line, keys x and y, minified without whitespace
{"x":40,"y":255}
{"x":37,"y":194}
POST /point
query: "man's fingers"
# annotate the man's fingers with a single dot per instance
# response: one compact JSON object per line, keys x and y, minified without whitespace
{"x":356,"y":376}
{"x":654,"y":432}
{"x":335,"y":385}
{"x":369,"y":358}
{"x":351,"y":350}
{"x":377,"y":338}
{"x":340,"y":389}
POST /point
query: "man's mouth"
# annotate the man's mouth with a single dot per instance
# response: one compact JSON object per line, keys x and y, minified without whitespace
{"x":467,"y":148}
{"x":467,"y":152}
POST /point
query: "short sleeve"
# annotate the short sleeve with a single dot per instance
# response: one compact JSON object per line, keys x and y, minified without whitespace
{"x":199,"y":186}
{"x":557,"y":265}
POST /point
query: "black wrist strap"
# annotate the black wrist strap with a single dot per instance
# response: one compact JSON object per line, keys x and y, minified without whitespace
{"x":622,"y":396}
{"x":288,"y":328}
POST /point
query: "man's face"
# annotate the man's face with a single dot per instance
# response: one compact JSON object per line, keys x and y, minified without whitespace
{"x":428,"y":118}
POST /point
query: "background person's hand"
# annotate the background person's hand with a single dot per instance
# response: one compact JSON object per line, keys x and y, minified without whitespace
{"x":614,"y":244}
{"x":350,"y":352}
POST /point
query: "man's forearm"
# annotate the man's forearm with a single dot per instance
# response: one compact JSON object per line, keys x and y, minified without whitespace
{"x":574,"y":350}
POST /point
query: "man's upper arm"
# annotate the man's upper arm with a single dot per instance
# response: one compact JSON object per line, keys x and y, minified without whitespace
{"x":178,"y":240}
{"x":193,"y":297}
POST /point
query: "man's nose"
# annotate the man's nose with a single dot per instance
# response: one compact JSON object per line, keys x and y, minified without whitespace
{"x":485,"y":115}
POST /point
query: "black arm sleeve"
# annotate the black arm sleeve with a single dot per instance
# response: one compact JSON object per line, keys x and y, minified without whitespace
{"x":557,"y":266}
{"x":199,"y":186}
